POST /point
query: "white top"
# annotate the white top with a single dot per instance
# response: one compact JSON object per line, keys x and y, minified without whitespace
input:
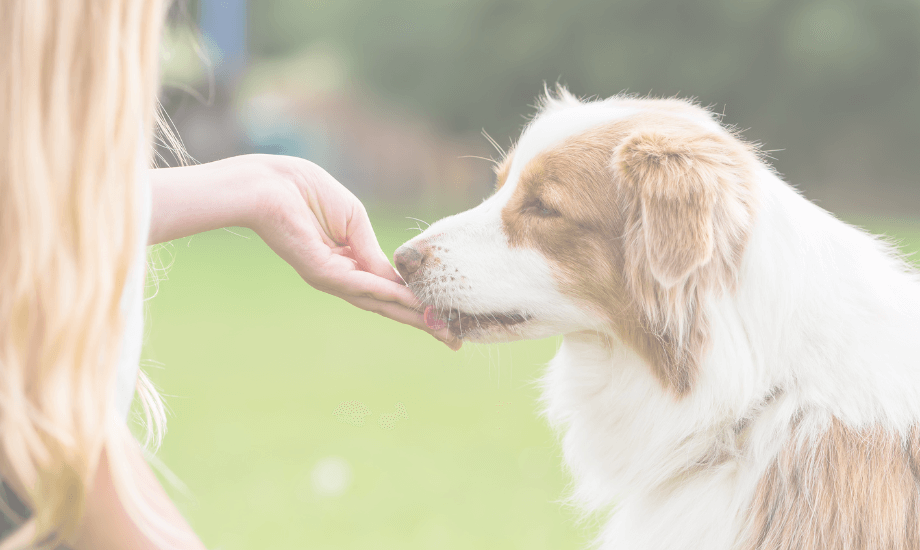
{"x":132,"y":304}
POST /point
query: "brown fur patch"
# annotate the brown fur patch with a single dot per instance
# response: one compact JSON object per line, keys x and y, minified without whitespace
{"x":502,"y":169}
{"x":846,"y":490}
{"x":615,"y":209}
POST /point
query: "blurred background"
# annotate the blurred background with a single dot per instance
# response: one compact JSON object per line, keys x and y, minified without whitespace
{"x":299,"y":421}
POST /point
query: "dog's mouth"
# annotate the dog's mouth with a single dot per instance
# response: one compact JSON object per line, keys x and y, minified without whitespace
{"x":461,"y":323}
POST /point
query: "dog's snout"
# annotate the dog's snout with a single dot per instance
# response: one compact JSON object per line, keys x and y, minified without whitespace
{"x":408,"y":260}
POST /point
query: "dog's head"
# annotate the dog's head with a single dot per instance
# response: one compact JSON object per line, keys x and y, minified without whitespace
{"x":621,"y":216}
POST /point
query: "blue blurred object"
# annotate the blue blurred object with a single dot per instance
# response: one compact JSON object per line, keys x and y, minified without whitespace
{"x":223,"y":23}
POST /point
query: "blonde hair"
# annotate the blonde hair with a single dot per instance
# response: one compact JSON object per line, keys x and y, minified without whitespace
{"x":78,"y":84}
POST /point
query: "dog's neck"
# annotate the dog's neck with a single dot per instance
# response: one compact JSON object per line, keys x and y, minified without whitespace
{"x":822,"y":300}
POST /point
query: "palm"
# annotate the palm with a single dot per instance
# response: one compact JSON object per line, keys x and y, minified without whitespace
{"x":323,"y":231}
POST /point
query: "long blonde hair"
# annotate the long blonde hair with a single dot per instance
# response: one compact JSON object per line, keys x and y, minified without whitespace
{"x":78,"y":84}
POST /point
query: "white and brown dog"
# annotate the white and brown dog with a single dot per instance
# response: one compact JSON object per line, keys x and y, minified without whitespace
{"x":740,"y":370}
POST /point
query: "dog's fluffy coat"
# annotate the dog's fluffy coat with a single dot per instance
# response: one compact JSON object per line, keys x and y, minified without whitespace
{"x":739,"y":368}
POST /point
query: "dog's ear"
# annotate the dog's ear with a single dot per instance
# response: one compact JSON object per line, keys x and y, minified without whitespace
{"x":674,"y":181}
{"x":687,"y":203}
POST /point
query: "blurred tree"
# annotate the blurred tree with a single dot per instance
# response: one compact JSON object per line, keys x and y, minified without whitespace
{"x":834,"y":83}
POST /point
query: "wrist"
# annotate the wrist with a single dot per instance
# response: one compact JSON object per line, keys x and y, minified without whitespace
{"x":255,"y":181}
{"x":270,"y":187}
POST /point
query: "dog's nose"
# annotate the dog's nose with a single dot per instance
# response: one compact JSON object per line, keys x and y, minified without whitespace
{"x":408,"y":260}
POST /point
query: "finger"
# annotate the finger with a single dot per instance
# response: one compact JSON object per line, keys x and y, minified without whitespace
{"x":344,"y":251}
{"x":449,"y":340}
{"x":360,"y":236}
{"x":319,"y":229}
{"x":362,"y":283}
{"x":342,"y":279}
{"x":406,"y":316}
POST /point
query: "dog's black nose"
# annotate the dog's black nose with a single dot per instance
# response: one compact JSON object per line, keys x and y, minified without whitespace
{"x":408,"y":260}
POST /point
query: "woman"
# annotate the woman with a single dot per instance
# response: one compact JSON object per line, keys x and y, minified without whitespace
{"x":78,"y":83}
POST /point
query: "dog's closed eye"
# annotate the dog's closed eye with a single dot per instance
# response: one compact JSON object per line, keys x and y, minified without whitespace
{"x":537,"y":207}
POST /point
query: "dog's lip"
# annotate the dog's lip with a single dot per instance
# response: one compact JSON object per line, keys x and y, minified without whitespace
{"x":460,"y":322}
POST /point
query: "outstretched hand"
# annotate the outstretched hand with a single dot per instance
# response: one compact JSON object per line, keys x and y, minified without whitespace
{"x":321,"y":229}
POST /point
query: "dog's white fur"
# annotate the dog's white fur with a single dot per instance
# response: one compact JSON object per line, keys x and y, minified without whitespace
{"x":823,"y":324}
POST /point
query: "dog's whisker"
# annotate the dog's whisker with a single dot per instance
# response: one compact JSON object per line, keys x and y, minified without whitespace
{"x":489,"y":160}
{"x":418,"y":220}
{"x":494,"y":143}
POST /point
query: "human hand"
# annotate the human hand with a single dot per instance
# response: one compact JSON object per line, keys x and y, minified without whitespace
{"x":322,"y":230}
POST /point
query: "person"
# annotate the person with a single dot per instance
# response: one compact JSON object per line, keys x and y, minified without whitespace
{"x":78,"y":84}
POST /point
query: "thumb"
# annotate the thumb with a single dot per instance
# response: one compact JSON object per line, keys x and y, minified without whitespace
{"x":363,"y":242}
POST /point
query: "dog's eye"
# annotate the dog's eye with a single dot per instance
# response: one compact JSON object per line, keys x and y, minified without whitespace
{"x":537,"y":207}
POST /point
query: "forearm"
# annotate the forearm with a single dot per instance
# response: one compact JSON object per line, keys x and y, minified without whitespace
{"x":192,"y":199}
{"x":302,"y":213}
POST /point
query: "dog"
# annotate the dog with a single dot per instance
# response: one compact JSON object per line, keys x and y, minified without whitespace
{"x":739,"y":368}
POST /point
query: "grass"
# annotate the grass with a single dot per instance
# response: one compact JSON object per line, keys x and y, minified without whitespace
{"x":267,"y":379}
{"x":254,"y":365}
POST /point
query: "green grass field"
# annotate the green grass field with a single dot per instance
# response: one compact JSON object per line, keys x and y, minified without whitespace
{"x":284,"y":421}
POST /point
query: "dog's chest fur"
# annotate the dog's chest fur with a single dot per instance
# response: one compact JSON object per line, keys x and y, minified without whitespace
{"x":673,"y":480}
